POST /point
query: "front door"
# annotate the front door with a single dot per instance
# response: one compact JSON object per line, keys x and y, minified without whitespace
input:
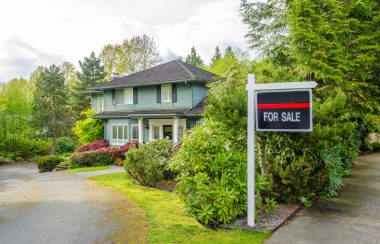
{"x":168,"y":131}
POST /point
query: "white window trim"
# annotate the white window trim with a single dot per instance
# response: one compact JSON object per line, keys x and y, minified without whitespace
{"x":134,"y":125}
{"x":112,"y":140}
{"x":170,"y":98}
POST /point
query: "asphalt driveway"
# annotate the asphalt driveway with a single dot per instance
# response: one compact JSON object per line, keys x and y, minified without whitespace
{"x":64,"y":208}
{"x":352,"y":217}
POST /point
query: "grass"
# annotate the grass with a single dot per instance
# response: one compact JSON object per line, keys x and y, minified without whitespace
{"x":165,"y":213}
{"x":87,"y":169}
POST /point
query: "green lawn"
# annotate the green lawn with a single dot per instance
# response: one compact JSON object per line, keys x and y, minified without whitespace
{"x":165,"y":213}
{"x":87,"y":169}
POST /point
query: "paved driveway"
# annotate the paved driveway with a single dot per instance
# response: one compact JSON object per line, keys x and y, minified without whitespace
{"x":353,"y":217}
{"x":64,"y":208}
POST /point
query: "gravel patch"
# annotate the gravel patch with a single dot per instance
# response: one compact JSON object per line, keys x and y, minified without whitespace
{"x":268,"y":221}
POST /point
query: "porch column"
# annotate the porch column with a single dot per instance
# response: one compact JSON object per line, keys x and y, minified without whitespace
{"x":141,"y":131}
{"x":175,"y":130}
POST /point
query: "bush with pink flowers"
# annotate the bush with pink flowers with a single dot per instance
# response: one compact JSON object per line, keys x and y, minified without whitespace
{"x":94,"y":146}
{"x":103,"y":156}
{"x":124,"y":148}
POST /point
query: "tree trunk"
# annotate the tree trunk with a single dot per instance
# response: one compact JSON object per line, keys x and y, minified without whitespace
{"x":262,"y":156}
{"x":54,"y":135}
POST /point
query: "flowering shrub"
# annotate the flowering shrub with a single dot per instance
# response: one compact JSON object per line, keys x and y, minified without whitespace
{"x":124,"y":148}
{"x":103,"y":156}
{"x":94,"y":146}
{"x":119,"y":161}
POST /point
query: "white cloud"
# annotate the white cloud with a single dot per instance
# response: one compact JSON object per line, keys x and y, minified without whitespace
{"x":43,"y":32}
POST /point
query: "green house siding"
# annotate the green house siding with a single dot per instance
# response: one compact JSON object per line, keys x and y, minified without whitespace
{"x":199,"y":93}
{"x":147,"y":99}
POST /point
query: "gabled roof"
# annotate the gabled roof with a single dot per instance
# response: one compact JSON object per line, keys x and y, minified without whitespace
{"x":170,"y":72}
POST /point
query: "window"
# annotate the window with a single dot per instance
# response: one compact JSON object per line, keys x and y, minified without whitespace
{"x":119,"y":134}
{"x":135,"y":132}
{"x":124,"y":96}
{"x":166,"y":93}
{"x":100,"y":102}
{"x":156,"y":132}
{"x":128,"y":95}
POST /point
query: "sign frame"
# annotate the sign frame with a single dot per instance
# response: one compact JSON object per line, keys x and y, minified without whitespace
{"x":310,"y":129}
{"x":252,"y":88}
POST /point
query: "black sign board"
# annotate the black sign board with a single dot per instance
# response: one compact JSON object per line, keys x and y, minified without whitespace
{"x":284,"y":110}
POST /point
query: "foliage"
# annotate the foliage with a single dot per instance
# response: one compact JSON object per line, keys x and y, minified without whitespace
{"x":376,"y":146}
{"x":212,"y":180}
{"x":99,"y":157}
{"x":92,"y":73}
{"x":217,"y":56}
{"x":19,"y":148}
{"x":87,"y":169}
{"x":124,"y":148}
{"x":94,"y":146}
{"x":50,"y":103}
{"x":168,"y":224}
{"x":65,"y":145}
{"x":133,"y":55}
{"x":194,"y":59}
{"x":70,"y":75}
{"x":147,"y":164}
{"x":48,"y":163}
{"x":4,"y":161}
{"x":89,"y":129}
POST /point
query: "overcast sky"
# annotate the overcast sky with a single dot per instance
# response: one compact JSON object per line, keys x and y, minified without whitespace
{"x":43,"y":32}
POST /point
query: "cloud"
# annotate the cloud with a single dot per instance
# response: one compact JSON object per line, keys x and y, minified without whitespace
{"x":50,"y":31}
{"x":20,"y":58}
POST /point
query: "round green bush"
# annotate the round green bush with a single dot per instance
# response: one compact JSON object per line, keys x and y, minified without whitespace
{"x":65,"y":145}
{"x":147,"y":165}
{"x":48,"y":163}
{"x":212,"y":179}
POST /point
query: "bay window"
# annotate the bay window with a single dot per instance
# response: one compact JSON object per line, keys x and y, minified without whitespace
{"x":119,"y":135}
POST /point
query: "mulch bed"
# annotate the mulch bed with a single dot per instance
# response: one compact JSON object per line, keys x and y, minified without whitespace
{"x":268,"y":221}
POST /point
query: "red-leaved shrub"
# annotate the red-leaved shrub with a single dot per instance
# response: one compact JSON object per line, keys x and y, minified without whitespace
{"x":103,"y":156}
{"x":94,"y":145}
{"x":124,"y":148}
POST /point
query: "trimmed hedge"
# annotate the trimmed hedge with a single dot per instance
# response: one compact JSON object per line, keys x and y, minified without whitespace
{"x":104,"y":156}
{"x":48,"y":163}
{"x":94,"y":146}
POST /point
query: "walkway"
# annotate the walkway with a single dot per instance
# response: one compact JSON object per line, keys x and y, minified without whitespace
{"x":353,"y":217}
{"x":64,"y":208}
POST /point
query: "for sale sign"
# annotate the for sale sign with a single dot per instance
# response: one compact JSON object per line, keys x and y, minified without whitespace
{"x":284,"y":110}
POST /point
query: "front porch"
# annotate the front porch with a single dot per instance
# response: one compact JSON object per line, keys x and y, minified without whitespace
{"x":146,"y":129}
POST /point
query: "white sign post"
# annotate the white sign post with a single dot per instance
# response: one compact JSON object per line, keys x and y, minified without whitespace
{"x":251,"y":88}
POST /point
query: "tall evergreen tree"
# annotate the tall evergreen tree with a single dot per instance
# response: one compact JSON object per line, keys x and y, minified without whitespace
{"x":216,"y":57}
{"x":49,"y":109}
{"x":92,"y":73}
{"x":194,"y":59}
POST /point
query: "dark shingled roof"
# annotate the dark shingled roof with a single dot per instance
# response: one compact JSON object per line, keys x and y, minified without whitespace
{"x":194,"y":112}
{"x":174,"y":71}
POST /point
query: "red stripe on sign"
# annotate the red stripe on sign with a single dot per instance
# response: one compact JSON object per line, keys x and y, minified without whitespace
{"x":283,"y":105}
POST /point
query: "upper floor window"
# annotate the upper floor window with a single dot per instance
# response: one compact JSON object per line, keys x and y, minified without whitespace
{"x":166,"y":93}
{"x":100,"y":102}
{"x":124,"y":96}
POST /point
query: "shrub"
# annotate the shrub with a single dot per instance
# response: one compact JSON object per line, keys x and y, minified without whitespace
{"x":22,"y":148}
{"x":4,"y":161}
{"x":376,"y":146}
{"x":104,"y":156}
{"x":89,"y":129}
{"x":65,"y":145}
{"x":147,"y":164}
{"x":212,"y":179}
{"x":124,"y":148}
{"x":94,"y":146}
{"x":48,"y":163}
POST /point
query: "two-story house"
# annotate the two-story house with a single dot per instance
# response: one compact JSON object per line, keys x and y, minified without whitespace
{"x":160,"y":102}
